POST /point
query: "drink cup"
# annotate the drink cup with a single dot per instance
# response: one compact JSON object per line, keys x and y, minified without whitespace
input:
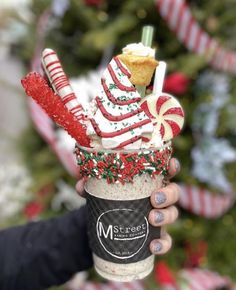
{"x":119,"y":185}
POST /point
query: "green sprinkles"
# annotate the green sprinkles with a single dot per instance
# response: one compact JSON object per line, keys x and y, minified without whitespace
{"x":122,"y":98}
{"x":112,"y":86}
{"x":122,"y":166}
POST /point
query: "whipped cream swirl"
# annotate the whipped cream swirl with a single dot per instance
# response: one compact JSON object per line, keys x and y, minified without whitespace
{"x":138,"y":49}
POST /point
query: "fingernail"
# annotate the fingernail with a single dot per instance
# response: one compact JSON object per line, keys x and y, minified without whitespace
{"x":157,"y":247}
{"x":160,"y":198}
{"x":177,"y":165}
{"x":159,"y":217}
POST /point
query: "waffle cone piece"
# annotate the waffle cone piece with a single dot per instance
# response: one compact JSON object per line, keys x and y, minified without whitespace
{"x":140,"y":67}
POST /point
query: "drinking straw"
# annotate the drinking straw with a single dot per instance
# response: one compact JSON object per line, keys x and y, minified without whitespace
{"x":146,"y":39}
{"x":147,"y":35}
{"x":159,"y":78}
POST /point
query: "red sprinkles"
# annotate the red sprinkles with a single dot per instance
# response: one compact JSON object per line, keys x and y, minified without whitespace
{"x":122,"y":166}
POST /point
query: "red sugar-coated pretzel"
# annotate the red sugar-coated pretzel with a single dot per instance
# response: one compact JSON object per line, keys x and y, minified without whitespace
{"x":36,"y":87}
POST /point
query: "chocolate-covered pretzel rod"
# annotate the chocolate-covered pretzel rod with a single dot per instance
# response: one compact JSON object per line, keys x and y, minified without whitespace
{"x":60,"y":83}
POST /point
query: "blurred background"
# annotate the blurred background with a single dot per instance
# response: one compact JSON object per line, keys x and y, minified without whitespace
{"x":37,"y":169}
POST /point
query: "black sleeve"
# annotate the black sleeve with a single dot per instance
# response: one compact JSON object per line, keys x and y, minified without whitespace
{"x":45,"y":253}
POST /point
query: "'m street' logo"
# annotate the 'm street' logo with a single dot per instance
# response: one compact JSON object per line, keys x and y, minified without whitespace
{"x":122,"y":232}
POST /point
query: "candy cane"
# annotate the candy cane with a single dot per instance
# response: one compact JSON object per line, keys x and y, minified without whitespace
{"x":60,"y":82}
{"x":41,"y":120}
{"x":204,"y":279}
{"x":203,"y":202}
{"x":134,"y":285}
{"x":180,"y":20}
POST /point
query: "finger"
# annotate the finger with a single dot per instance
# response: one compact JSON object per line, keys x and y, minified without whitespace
{"x":174,"y":167}
{"x":162,"y":245}
{"x":165,"y":196}
{"x":160,"y":217}
{"x":80,"y":188}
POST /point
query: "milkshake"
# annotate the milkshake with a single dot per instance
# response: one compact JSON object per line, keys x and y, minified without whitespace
{"x":123,"y":150}
{"x":131,"y":149}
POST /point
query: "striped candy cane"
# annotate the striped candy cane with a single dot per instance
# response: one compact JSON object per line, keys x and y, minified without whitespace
{"x":135,"y":285}
{"x":199,"y":279}
{"x":203,"y":202}
{"x":180,"y":20}
{"x":60,"y":82}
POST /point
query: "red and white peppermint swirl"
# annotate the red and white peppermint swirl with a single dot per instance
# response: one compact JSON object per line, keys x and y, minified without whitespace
{"x":60,"y":82}
{"x":166,"y":113}
{"x":119,"y":119}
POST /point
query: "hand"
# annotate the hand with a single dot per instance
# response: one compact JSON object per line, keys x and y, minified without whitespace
{"x":164,"y":211}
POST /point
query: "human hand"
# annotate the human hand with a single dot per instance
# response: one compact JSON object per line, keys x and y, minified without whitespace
{"x":163,"y":212}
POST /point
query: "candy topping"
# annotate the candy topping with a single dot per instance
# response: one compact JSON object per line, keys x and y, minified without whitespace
{"x":60,"y":83}
{"x":119,"y":119}
{"x":166,"y":113}
{"x":36,"y":87}
{"x":121,"y":166}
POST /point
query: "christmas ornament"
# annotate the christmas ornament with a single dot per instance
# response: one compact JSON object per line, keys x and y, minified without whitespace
{"x":206,"y":115}
{"x":209,"y":157}
{"x":176,"y":83}
{"x":179,"y":18}
{"x":164,"y":277}
{"x":210,"y":154}
{"x":93,"y":2}
{"x":32,"y":210}
{"x":195,"y":254}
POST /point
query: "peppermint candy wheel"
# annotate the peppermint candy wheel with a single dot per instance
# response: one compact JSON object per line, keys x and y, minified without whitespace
{"x":165,"y":112}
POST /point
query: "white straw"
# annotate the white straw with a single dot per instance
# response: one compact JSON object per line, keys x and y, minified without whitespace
{"x":159,"y":77}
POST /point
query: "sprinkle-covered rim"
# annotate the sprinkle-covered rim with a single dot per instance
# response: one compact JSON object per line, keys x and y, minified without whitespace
{"x":122,"y":166}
